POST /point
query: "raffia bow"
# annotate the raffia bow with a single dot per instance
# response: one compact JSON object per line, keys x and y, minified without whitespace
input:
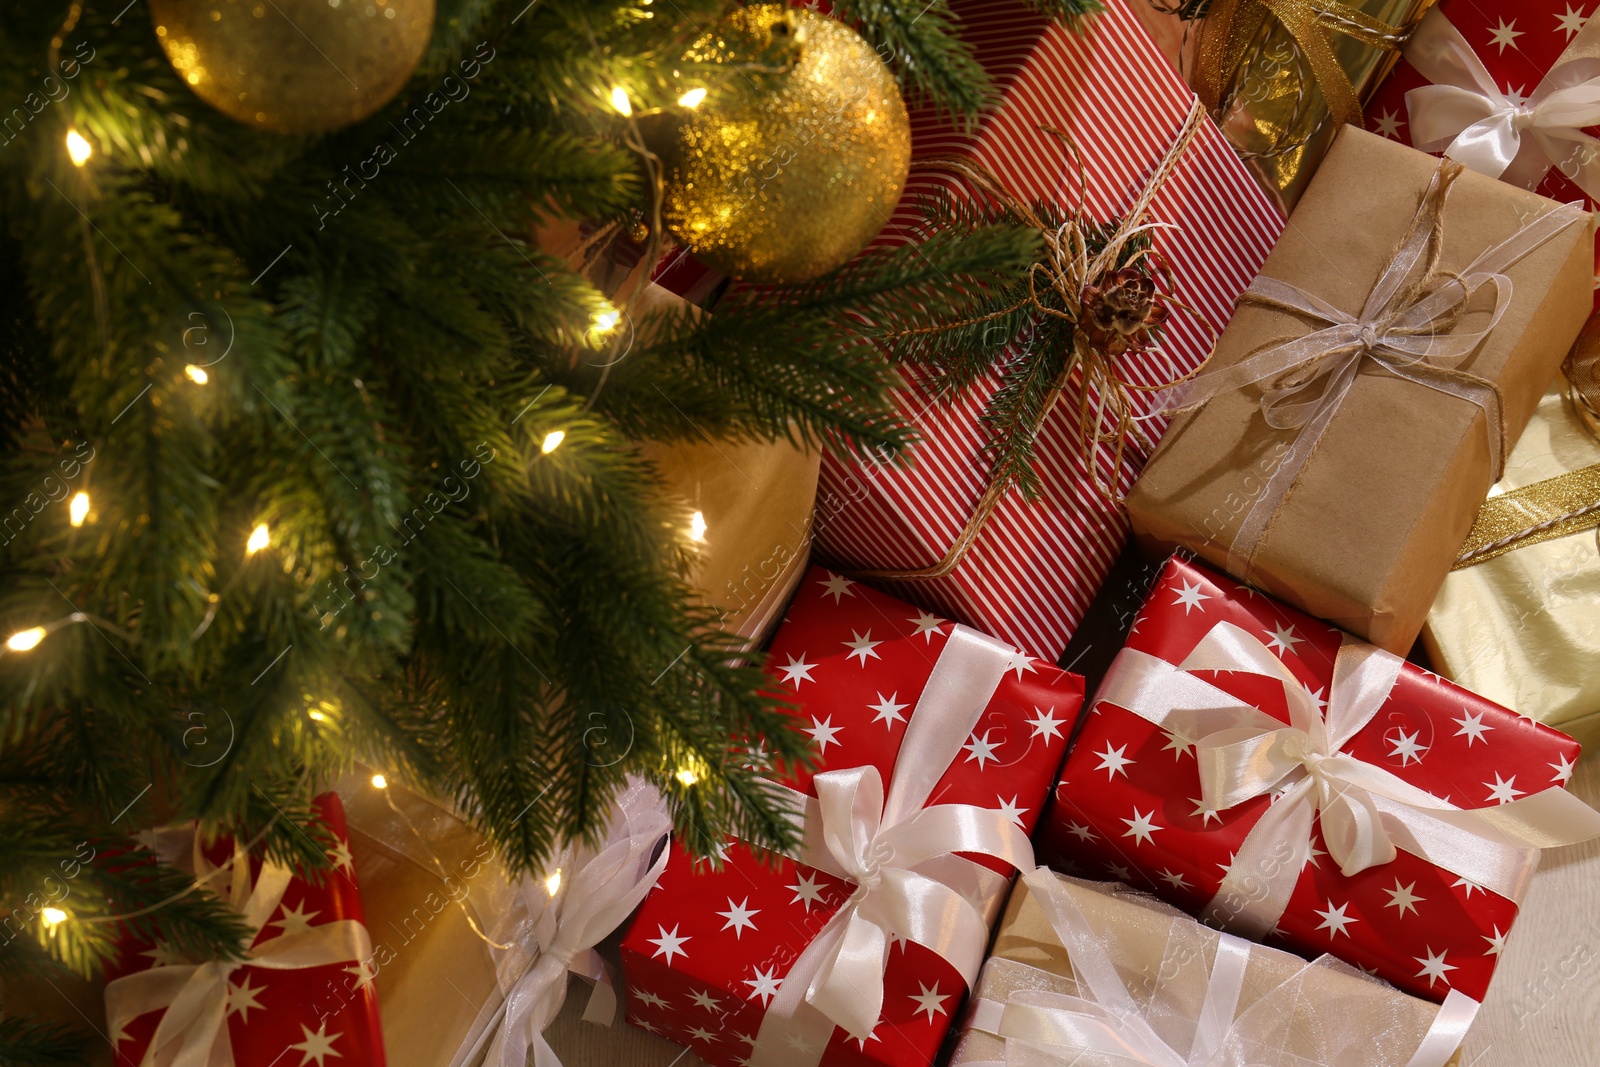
{"x":1231,"y":25}
{"x":901,"y":857}
{"x":1411,"y":326}
{"x":1105,"y":421}
{"x":1366,"y":812}
{"x":193,"y":1031}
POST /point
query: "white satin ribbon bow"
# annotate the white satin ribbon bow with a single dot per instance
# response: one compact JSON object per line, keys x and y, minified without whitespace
{"x":552,"y":935}
{"x":1105,"y":1023}
{"x":1465,"y":115}
{"x":1366,"y":811}
{"x":900,"y":855}
{"x":194,"y":1030}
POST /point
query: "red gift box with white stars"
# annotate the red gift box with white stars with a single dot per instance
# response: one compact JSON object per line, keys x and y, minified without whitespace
{"x":1129,"y":804}
{"x":317,"y":1016}
{"x":708,"y":948}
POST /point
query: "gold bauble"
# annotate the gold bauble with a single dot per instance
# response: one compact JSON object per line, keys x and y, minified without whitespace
{"x":786,"y":184}
{"x":294,"y":66}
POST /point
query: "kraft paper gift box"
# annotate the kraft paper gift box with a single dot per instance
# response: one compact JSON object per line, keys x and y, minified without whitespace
{"x":1518,"y":620}
{"x":1111,"y":948}
{"x":1355,"y":509}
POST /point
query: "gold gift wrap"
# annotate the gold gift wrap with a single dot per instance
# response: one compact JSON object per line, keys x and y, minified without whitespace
{"x":1371,"y":525}
{"x":1523,"y":627}
{"x":1379,"y":1023}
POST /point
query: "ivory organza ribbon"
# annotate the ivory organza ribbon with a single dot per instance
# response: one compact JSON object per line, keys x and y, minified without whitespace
{"x":909,"y":883}
{"x":1469,"y":118}
{"x":551,"y":934}
{"x":1366,"y":812}
{"x":193,"y":1032}
{"x":1412,"y":326}
{"x":1105,"y":1023}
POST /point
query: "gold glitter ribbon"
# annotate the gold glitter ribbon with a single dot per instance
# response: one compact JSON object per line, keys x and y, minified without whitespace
{"x":1230,"y":26}
{"x":1556,"y":507}
{"x":1066,"y":269}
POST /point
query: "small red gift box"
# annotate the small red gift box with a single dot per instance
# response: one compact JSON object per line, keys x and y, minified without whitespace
{"x":1034,"y":567}
{"x":304,"y":994}
{"x":1278,"y":777}
{"x":932,"y":740}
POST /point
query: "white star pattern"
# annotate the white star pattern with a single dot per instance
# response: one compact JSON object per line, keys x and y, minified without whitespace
{"x":1472,"y":727}
{"x":644,"y":1024}
{"x":650,"y":998}
{"x":1434,"y":967}
{"x":1311,"y":857}
{"x":295,"y":920}
{"x":700,"y":1033}
{"x":317,"y":1046}
{"x":1336,"y":920}
{"x":1011,"y":810}
{"x":1505,"y":34}
{"x":1176,"y":881}
{"x":162,"y":954}
{"x":863,"y":646}
{"x":364,"y":973}
{"x":836,"y":586}
{"x":739,"y":916}
{"x":1119,"y":872}
{"x":1516,"y":96}
{"x":1407,"y":747}
{"x":764,"y":986}
{"x":1497,"y":943}
{"x":1081,"y":832}
{"x":1112,"y":761}
{"x":1020,"y":662}
{"x":668,"y":944}
{"x":930,"y":1000}
{"x":1190,"y":597}
{"x":1283,"y":639}
{"x":1045,"y":724}
{"x":1503,"y":792}
{"x":1177,"y":742}
{"x":1563,"y":770}
{"x":342,"y":860}
{"x":980,"y":750}
{"x":1470,"y":887}
{"x":797,"y":671}
{"x":1388,"y":124}
{"x":1316,"y":698}
{"x":242,"y":999}
{"x":1203,"y":813}
{"x":824,"y":733}
{"x":889,"y":710}
{"x":1571,"y":21}
{"x":808,"y":891}
{"x":872,"y":1035}
{"x":1403,"y":898}
{"x":1141,"y":826}
{"x":705,"y":1000}
{"x":927,"y":625}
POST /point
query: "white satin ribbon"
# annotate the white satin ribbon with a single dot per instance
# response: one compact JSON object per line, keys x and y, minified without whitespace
{"x":899,"y":854}
{"x":1465,"y":115}
{"x":1398,"y":330}
{"x":193,"y":1032}
{"x":1366,"y":812}
{"x":1103,"y":1021}
{"x":551,"y":936}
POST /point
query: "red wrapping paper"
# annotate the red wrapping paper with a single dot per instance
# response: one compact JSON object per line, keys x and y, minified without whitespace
{"x":1390,"y":919}
{"x":707,"y":948}
{"x":285,"y":1018}
{"x":1518,"y":42}
{"x":1033,"y":571}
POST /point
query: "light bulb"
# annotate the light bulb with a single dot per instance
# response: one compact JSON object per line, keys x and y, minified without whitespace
{"x":619,"y":100}
{"x":78,"y":149}
{"x":552,"y":441}
{"x":687,"y":776}
{"x":24,"y":640}
{"x":607,"y":320}
{"x":53,"y":916}
{"x":258,"y":539}
{"x":697,"y":526}
{"x":197,"y":375}
{"x":380,"y":782}
{"x":78,"y":510}
{"x":552,"y":884}
{"x":692,"y":98}
{"x":317,"y":716}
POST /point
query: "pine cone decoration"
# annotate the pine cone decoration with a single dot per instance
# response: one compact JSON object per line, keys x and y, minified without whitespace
{"x":1122,"y":311}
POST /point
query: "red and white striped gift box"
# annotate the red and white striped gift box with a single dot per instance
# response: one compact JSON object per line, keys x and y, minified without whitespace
{"x":1032,"y":572}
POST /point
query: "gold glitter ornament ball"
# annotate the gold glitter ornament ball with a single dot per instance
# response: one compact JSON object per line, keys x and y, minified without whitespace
{"x":786,"y":184}
{"x":294,"y":66}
